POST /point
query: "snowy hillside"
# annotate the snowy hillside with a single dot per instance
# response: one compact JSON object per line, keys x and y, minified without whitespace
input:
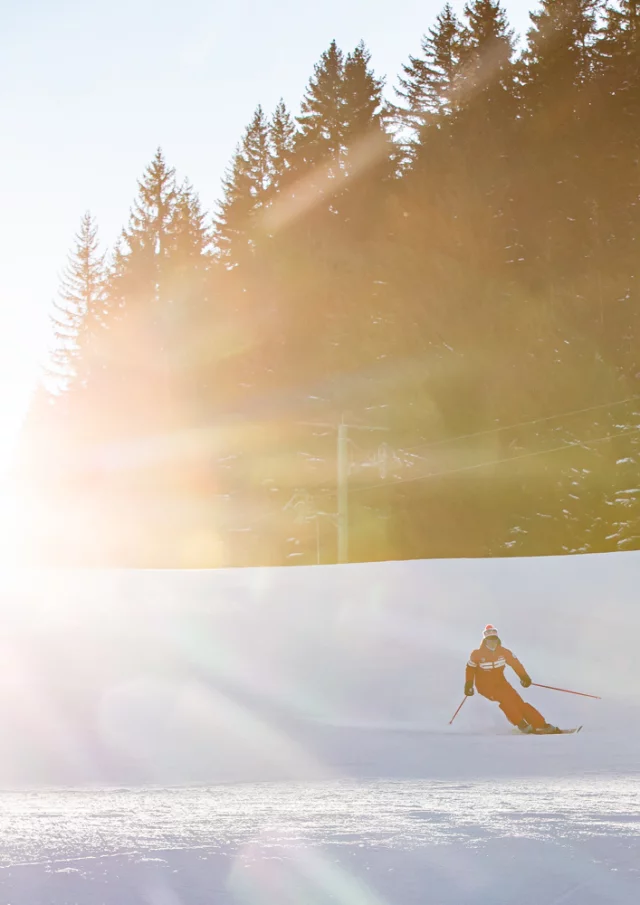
{"x":143,"y":711}
{"x":284,"y":673}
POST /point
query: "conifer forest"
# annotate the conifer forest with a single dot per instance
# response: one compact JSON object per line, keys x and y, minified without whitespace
{"x":412,"y":321}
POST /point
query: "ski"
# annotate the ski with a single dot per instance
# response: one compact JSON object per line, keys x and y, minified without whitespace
{"x":555,"y":731}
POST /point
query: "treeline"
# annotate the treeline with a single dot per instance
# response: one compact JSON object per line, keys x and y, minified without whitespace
{"x":455,"y":263}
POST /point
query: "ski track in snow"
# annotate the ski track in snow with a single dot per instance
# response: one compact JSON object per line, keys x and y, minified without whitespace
{"x":571,"y":839}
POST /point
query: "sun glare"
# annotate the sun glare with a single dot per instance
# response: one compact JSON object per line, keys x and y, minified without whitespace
{"x":13,"y":524}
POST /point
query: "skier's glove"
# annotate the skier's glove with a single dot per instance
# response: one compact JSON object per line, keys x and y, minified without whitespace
{"x":468,"y":689}
{"x":525,"y":681}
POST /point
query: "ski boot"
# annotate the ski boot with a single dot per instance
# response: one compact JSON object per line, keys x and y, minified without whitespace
{"x":548,"y":729}
{"x":525,"y":727}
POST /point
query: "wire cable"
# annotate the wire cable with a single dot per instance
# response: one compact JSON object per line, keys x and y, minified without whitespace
{"x":506,"y":427}
{"x":540,"y":452}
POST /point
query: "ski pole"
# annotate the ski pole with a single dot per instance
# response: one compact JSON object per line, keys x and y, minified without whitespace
{"x":566,"y":691}
{"x":457,"y":711}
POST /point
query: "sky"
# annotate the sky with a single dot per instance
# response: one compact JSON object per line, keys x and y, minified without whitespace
{"x":89,"y":91}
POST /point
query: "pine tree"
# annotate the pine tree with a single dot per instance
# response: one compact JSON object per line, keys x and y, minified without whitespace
{"x":621,"y":38}
{"x":556,"y":193}
{"x":341,"y":160}
{"x":246,"y":188}
{"x":485,"y":135}
{"x":436,"y":194}
{"x":187,"y":276}
{"x":428,"y":86}
{"x":617,"y":141}
{"x":81,"y":307}
{"x":139,"y":260}
{"x":320,"y":121}
{"x":618,"y":51}
{"x":486,"y":79}
{"x":158,"y":287}
{"x":188,"y":245}
{"x":341,"y":107}
{"x":363,"y":131}
{"x":282,"y":133}
{"x":341,"y":114}
{"x":362,"y":95}
{"x":558,"y":57}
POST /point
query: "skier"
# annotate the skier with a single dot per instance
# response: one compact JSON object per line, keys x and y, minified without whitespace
{"x":486,"y":667}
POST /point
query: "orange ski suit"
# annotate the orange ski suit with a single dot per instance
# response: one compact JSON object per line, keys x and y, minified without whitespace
{"x":486,"y":668}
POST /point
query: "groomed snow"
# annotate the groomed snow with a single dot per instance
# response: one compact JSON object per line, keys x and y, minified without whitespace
{"x":273,"y":737}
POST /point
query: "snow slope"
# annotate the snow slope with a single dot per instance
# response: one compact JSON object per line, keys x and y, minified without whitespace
{"x":131,"y":700}
{"x":375,"y":843}
{"x":175,"y":677}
